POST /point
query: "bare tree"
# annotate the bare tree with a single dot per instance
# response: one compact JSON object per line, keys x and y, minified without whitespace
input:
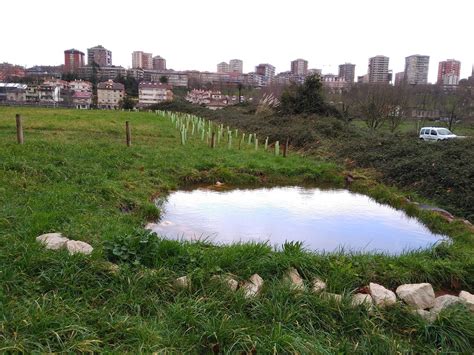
{"x":373,"y":102}
{"x":456,"y":104}
{"x":398,"y":106}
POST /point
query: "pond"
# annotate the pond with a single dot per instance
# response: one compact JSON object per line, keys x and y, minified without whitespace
{"x":323,"y":220}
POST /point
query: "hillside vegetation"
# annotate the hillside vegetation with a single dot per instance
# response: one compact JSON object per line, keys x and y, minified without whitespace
{"x":440,"y":171}
{"x":75,"y":175}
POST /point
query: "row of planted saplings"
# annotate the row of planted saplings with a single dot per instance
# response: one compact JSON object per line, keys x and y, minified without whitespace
{"x":213,"y":134}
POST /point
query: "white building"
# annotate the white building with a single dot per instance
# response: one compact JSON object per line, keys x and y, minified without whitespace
{"x":80,"y":86}
{"x":236,"y":66}
{"x":223,"y":67}
{"x":13,"y":92}
{"x":211,"y":99}
{"x":153,"y":93}
{"x":81,"y":93}
{"x":416,"y":69}
{"x":334,"y":83}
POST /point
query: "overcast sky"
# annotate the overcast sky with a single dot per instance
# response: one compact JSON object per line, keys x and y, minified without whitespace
{"x":199,"y":34}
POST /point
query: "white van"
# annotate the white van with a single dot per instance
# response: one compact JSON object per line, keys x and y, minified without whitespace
{"x":436,"y":134}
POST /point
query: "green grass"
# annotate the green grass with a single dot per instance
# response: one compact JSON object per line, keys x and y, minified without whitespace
{"x":75,"y":175}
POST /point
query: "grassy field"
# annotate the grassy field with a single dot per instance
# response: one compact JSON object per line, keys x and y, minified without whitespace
{"x":75,"y":175}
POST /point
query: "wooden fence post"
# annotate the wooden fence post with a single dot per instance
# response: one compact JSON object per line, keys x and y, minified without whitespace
{"x":128,"y":133}
{"x":19,"y":129}
{"x":285,"y":148}
{"x":213,"y":140}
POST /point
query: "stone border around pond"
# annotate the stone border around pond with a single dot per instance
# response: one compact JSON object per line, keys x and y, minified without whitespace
{"x":420,"y":297}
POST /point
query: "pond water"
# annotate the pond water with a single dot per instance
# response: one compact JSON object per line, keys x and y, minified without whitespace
{"x":323,"y":220}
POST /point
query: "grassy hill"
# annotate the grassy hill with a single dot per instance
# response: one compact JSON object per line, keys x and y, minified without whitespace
{"x":75,"y":175}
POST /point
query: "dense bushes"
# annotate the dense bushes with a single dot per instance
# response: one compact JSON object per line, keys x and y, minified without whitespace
{"x":306,"y":98}
{"x":443,"y":171}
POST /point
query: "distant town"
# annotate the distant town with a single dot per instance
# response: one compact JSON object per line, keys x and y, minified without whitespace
{"x":103,"y":85}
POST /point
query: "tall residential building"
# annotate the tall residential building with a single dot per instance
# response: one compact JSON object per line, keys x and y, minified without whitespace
{"x":159,"y":63}
{"x":223,"y":67}
{"x":299,"y":67}
{"x":416,"y":69}
{"x":378,"y":70}
{"x":73,"y":60}
{"x":142,"y":60}
{"x":265,"y":70}
{"x":100,"y":56}
{"x":471,"y":78}
{"x":448,"y":72}
{"x":347,"y":72}
{"x":236,"y":66}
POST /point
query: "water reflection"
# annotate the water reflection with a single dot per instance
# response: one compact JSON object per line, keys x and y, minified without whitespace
{"x":324,"y":220}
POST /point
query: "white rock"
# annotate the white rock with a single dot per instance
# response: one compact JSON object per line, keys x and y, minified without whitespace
{"x":420,"y":296}
{"x":293,"y":278}
{"x":182,"y":282}
{"x":253,"y":287}
{"x":443,"y":302}
{"x":381,"y":296}
{"x":318,"y":285}
{"x":332,"y":296}
{"x":362,"y":299}
{"x":151,"y":226}
{"x":468,"y":299}
{"x":426,"y":315}
{"x":227,"y":280}
{"x":76,"y":246}
{"x":52,"y":241}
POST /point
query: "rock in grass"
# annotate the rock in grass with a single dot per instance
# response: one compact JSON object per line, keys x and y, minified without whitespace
{"x":182,"y":282}
{"x":420,"y":296}
{"x":52,"y":241}
{"x":468,"y":299}
{"x":253,"y":286}
{"x":293,"y":278}
{"x":443,"y":302}
{"x":318,"y":285}
{"x":151,"y":226}
{"x":78,"y":247}
{"x":426,"y":315}
{"x":362,"y":299}
{"x":382,"y":297}
{"x":226,"y":280}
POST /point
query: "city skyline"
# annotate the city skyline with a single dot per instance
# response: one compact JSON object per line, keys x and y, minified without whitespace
{"x":324,"y":43}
